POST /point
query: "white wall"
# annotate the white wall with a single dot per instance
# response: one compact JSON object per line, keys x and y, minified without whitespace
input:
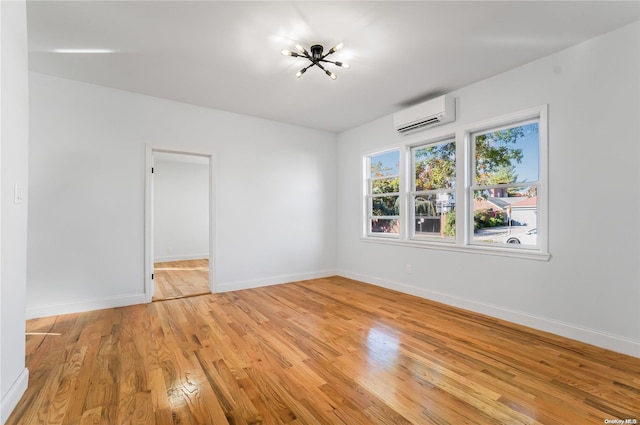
{"x":590,"y":288}
{"x":87,"y":168}
{"x":181,"y":209}
{"x":14,"y":118}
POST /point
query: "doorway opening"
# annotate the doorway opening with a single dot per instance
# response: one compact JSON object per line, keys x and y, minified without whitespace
{"x":180,"y":279}
{"x":179,"y":228}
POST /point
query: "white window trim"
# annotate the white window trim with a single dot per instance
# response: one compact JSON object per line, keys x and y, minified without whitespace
{"x":463,"y":240}
{"x":410,"y":192}
{"x":366,"y":173}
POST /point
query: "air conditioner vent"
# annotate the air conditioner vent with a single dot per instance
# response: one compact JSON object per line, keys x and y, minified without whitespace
{"x":433,"y":112}
{"x":429,"y":122}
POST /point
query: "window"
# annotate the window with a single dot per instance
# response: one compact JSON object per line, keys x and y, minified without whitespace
{"x":476,"y":188}
{"x":433,"y":191}
{"x":383,"y":193}
{"x":505,"y":176}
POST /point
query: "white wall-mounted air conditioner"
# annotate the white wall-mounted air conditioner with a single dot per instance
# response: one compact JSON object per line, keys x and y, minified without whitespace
{"x":428,"y":114}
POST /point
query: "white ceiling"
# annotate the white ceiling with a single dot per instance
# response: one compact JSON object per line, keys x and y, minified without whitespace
{"x":226,"y":55}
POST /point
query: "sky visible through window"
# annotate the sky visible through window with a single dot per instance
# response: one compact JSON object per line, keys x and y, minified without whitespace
{"x":390,"y":162}
{"x":527,"y":170}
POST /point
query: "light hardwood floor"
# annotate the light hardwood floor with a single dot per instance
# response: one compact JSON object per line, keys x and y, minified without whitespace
{"x":326,"y":351}
{"x":179,"y":279}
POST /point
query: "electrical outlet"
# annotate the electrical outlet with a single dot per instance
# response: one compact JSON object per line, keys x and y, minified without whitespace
{"x":409,"y":269}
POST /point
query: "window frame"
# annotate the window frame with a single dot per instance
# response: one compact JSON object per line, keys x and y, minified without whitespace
{"x":413,"y":192}
{"x":462,"y":135}
{"x":473,"y":186}
{"x":369,"y":195}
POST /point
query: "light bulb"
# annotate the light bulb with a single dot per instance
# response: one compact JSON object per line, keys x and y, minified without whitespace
{"x":343,"y":65}
{"x":285,"y":52}
{"x":300,"y":48}
{"x":331,"y":74}
{"x":302,"y":71}
{"x":336,"y":48}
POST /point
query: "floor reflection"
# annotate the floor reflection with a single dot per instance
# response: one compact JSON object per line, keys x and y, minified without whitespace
{"x":382,"y":344}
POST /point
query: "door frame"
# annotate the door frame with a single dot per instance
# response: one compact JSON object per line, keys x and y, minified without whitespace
{"x":149,"y":284}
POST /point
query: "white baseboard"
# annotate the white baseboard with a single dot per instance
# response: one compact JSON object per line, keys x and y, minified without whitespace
{"x":12,"y":397}
{"x":79,"y":306}
{"x":274,"y":280}
{"x":590,"y":336}
{"x":166,"y":258}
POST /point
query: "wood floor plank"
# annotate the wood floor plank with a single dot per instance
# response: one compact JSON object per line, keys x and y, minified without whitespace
{"x":325,"y":351}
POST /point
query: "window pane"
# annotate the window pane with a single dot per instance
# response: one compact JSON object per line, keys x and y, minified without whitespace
{"x":383,"y":188}
{"x":507,"y":156}
{"x":434,"y":215}
{"x":502,"y":193}
{"x":502,"y":220}
{"x":435,"y":166}
{"x":385,"y":164}
{"x":425,"y":205}
{"x":385,"y":206}
{"x":385,"y":185}
{"x":384,"y":225}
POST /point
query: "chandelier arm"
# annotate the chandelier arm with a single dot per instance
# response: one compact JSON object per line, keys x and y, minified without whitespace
{"x":337,"y":63}
{"x":319,"y":65}
{"x":327,"y":54}
{"x":329,"y":73}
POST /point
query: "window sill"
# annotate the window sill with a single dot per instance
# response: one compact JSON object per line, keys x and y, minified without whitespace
{"x":526,"y":254}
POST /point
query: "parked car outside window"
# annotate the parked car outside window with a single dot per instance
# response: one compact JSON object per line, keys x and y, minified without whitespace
{"x":527,"y":238}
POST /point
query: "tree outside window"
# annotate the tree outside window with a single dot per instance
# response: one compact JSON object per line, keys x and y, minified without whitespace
{"x":433,"y":192}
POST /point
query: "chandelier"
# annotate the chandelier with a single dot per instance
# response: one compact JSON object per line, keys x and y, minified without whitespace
{"x":315,"y":57}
